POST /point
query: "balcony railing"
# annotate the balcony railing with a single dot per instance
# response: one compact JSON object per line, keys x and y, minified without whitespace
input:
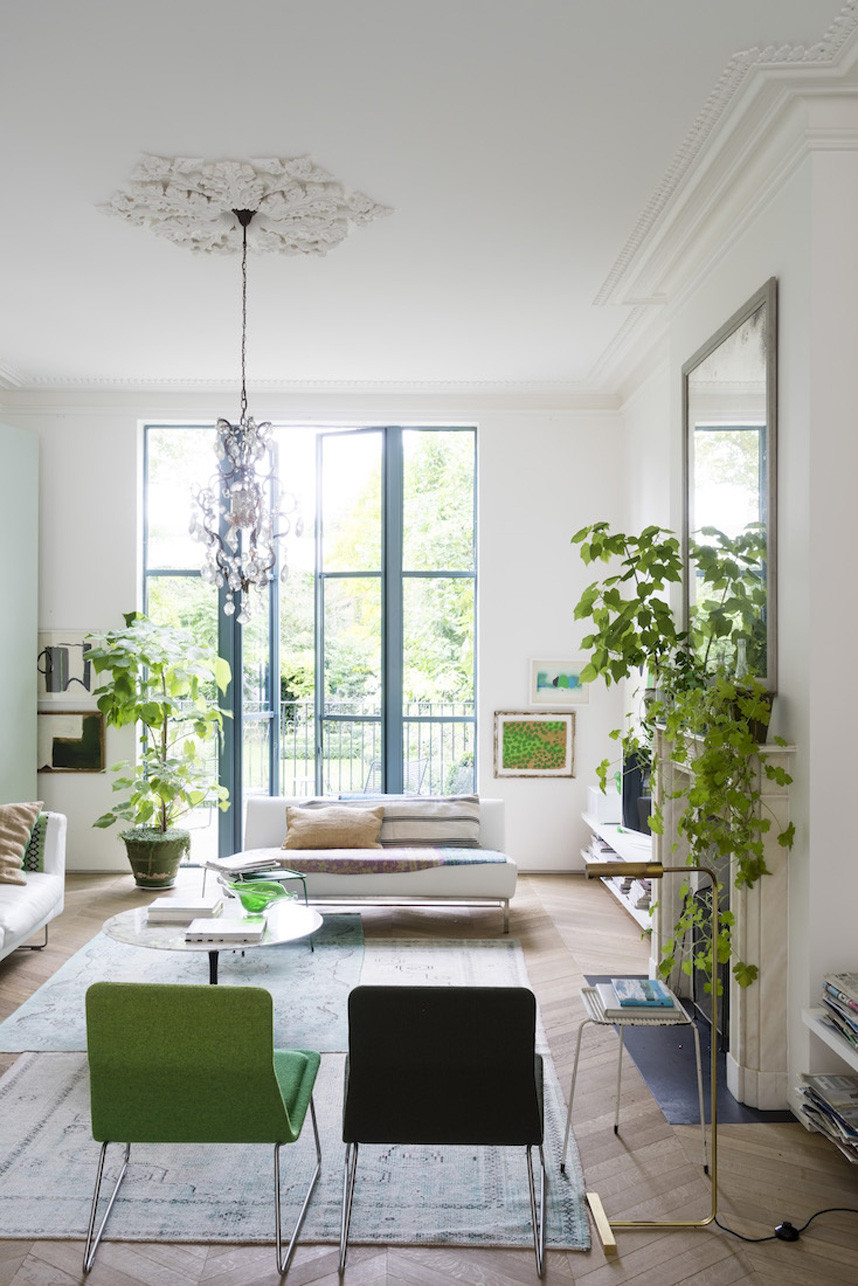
{"x":438,"y":749}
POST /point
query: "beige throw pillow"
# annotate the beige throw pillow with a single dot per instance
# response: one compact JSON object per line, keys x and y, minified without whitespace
{"x":16,"y":823}
{"x":333,"y":827}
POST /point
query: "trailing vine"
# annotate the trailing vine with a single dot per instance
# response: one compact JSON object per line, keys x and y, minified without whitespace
{"x":713,"y":718}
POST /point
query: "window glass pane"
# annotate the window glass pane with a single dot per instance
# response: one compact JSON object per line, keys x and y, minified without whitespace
{"x":187,"y":603}
{"x":179,"y":461}
{"x":438,"y":753}
{"x":351,"y":755}
{"x":438,"y":640}
{"x":352,"y":661}
{"x":351,"y":502}
{"x":438,"y":500}
{"x":297,"y":462}
{"x":258,"y":715}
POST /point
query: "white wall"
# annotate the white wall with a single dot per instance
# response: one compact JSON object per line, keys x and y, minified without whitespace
{"x":805,"y":238}
{"x":543,"y":474}
{"x":542,"y":477}
{"x":19,"y":535}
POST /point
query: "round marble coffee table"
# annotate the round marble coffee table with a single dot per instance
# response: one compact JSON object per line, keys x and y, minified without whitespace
{"x":285,"y":921}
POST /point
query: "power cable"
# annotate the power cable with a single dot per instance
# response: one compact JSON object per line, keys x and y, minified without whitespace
{"x":786,"y":1231}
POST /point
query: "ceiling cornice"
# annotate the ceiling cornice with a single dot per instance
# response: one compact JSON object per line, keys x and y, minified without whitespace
{"x":294,"y":401}
{"x":753,"y":85}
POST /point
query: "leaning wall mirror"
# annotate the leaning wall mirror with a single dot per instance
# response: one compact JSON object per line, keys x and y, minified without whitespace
{"x":730,"y":531}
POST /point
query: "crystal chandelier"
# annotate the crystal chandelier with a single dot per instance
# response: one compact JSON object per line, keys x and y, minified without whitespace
{"x":236,"y":520}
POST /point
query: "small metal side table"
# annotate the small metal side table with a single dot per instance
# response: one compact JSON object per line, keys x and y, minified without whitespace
{"x":678,"y":1017}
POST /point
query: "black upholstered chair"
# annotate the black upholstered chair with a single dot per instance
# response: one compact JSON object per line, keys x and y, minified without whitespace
{"x":444,"y":1065}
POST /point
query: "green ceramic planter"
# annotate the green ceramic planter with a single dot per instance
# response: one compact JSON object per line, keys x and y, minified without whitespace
{"x":155,"y":855}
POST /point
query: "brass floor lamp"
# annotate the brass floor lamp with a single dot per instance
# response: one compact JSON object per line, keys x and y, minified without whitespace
{"x":604,"y":1226}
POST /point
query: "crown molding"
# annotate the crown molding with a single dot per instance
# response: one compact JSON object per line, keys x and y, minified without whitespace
{"x":754,"y":88}
{"x":201,"y":401}
{"x":10,"y":378}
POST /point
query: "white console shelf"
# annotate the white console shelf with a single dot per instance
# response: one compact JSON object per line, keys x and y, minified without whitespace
{"x":813,"y":1018}
{"x":628,"y":846}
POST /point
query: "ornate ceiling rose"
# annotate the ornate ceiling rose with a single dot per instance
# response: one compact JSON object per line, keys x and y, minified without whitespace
{"x":299,"y":208}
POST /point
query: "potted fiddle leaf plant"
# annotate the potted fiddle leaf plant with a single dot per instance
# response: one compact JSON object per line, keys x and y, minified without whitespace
{"x":158,"y":678}
{"x":714,"y":712}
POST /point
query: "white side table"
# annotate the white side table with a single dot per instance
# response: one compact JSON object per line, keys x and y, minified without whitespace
{"x":596,"y":1014}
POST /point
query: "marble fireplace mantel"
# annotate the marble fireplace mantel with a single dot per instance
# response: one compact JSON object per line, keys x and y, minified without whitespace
{"x":757,"y":1072}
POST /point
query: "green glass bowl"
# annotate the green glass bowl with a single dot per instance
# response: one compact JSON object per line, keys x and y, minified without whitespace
{"x":256,"y":896}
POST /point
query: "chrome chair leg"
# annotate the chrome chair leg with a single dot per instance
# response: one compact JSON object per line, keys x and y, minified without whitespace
{"x":349,"y":1173}
{"x":283,"y":1262}
{"x":538,"y":1223}
{"x":91,"y":1244}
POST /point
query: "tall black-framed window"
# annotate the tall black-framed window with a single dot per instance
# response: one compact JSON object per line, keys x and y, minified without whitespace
{"x":357,"y":675}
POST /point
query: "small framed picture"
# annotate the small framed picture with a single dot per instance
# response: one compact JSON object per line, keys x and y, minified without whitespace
{"x":66,"y":676}
{"x":534,"y":743}
{"x":70,"y":741}
{"x":558,"y":682}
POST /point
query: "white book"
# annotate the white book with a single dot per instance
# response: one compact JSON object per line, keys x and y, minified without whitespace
{"x":225,"y":931}
{"x":183,"y":910}
{"x":613,"y":1008}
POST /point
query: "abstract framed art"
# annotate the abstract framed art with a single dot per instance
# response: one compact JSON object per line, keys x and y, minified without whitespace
{"x":558,"y":682}
{"x":534,"y":743}
{"x":70,"y":741}
{"x":65,"y":672}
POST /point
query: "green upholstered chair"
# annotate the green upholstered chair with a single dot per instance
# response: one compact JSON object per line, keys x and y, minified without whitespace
{"x":444,"y":1065}
{"x":193,"y":1064}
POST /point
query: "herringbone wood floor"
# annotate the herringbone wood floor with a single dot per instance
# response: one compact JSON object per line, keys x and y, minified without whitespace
{"x":568,"y":927}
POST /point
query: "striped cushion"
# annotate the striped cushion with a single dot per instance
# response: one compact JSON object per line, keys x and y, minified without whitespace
{"x":436,"y":821}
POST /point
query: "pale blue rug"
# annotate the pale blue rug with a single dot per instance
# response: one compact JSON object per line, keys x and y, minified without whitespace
{"x":310,"y":988}
{"x":216,"y":1193}
{"x":451,"y":1196}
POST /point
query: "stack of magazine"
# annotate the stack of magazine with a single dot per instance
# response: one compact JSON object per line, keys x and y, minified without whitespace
{"x":635,"y":998}
{"x":829,"y":1105}
{"x":244,"y":866}
{"x":840,"y":998}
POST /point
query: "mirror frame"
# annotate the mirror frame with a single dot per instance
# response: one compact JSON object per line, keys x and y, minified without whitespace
{"x":766,"y":297}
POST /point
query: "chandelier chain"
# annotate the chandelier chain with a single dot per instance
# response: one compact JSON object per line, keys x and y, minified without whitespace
{"x":244,"y":224}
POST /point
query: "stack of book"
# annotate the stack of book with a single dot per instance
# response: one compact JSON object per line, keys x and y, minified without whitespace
{"x":641,"y":894}
{"x":829,"y":1105}
{"x":244,"y":866}
{"x":840,"y":998}
{"x":635,"y":998}
{"x":226,"y":932}
{"x":178,"y":910}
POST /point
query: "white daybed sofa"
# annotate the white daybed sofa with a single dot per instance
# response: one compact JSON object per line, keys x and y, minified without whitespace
{"x":482,"y":876}
{"x":27,"y":908}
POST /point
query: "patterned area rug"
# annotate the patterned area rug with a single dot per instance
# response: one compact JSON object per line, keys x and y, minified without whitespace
{"x":212,"y":1193}
{"x":451,"y":1196}
{"x":310,"y":988}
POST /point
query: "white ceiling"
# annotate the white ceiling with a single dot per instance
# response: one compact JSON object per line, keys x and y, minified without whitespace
{"x":518,"y":141}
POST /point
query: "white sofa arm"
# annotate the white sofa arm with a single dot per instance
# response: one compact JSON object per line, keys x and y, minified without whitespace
{"x":55,"y":844}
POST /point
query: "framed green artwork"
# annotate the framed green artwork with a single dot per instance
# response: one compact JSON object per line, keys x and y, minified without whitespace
{"x":535,"y":743}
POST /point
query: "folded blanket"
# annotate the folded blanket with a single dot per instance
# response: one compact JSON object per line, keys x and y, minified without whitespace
{"x":372,"y":861}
